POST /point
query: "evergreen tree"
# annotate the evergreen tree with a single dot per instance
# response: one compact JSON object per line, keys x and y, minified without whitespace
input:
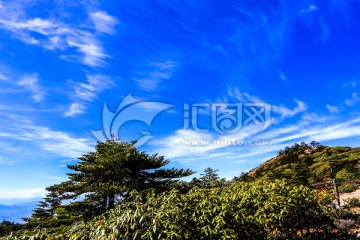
{"x":102,"y":177}
{"x":301,"y":172}
{"x":210,"y":178}
{"x":6,"y":227}
{"x":244,"y":177}
{"x":275,"y":174}
{"x":43,"y":214}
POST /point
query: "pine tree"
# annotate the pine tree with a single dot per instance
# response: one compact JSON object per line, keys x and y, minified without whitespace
{"x":274,"y":174}
{"x":102,"y":177}
{"x":210,"y":178}
{"x":301,"y":172}
{"x":244,"y":177}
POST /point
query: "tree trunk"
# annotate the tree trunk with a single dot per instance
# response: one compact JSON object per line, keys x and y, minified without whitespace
{"x":337,"y":198}
{"x":111,"y":203}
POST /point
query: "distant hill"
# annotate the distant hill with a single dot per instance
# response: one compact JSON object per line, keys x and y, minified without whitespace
{"x":18,"y":201}
{"x":311,"y":165}
{"x":14,"y":213}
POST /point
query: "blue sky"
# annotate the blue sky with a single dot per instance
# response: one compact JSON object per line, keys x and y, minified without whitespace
{"x":61,"y":61}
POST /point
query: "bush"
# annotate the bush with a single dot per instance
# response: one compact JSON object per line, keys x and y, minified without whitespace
{"x":240,"y":211}
{"x":268,"y":210}
{"x":347,"y":188}
{"x":352,"y":202}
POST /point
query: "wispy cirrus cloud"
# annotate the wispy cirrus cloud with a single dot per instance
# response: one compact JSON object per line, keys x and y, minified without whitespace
{"x":31,"y":83}
{"x":310,"y":8}
{"x":188,"y":145}
{"x":287,"y":112}
{"x":332,"y":109}
{"x":284,"y":112}
{"x":184,"y":144}
{"x":75,"y":109}
{"x":159,"y":71}
{"x":103,"y":22}
{"x":353,"y":100}
{"x":27,"y":193}
{"x":94,"y":85}
{"x":23,"y":133}
{"x":3,"y":77}
{"x":55,"y":34}
{"x":85,"y":92}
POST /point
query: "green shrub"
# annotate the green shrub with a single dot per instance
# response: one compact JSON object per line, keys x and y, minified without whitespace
{"x":352,"y":202}
{"x":240,"y":211}
{"x":258,"y":210}
{"x":347,"y":188}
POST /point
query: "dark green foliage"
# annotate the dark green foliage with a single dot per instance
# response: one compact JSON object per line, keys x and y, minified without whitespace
{"x":100,"y":179}
{"x":301,"y":173}
{"x":348,"y":188}
{"x":7,"y":227}
{"x":126,"y":194}
{"x":271,"y":210}
{"x":352,"y":202}
{"x":209,"y":178}
{"x":244,"y":177}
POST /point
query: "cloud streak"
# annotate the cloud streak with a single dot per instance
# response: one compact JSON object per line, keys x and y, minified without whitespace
{"x":158,"y":72}
{"x":103,"y":22}
{"x":31,"y":83}
{"x":54,"y":34}
{"x":59,"y":143}
{"x":83,"y":93}
{"x":311,"y":126}
{"x":27,"y":193}
{"x":353,"y":100}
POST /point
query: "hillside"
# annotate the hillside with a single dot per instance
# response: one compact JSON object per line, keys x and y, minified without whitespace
{"x":312,"y":165}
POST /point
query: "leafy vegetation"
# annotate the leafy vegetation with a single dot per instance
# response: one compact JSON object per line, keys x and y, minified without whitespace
{"x":240,"y":211}
{"x":347,"y":188}
{"x":352,"y":202}
{"x":117,"y":192}
{"x":7,"y":227}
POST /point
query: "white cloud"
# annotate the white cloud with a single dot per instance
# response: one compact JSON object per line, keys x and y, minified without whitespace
{"x":75,"y":109}
{"x":31,"y":83}
{"x":54,"y":34}
{"x":332,"y":109}
{"x":283,"y":111}
{"x":282,"y":76}
{"x":95,"y":84}
{"x":3,"y":77}
{"x":159,"y":71}
{"x":353,"y":100}
{"x":93,"y":51}
{"x":311,"y":8}
{"x":103,"y":22}
{"x":286,"y":112}
{"x":18,"y":132}
{"x":243,"y":97}
{"x":35,"y":25}
{"x":87,"y":92}
{"x":349,"y":84}
{"x":314,"y":118}
{"x":28,"y":193}
{"x":175,"y":145}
